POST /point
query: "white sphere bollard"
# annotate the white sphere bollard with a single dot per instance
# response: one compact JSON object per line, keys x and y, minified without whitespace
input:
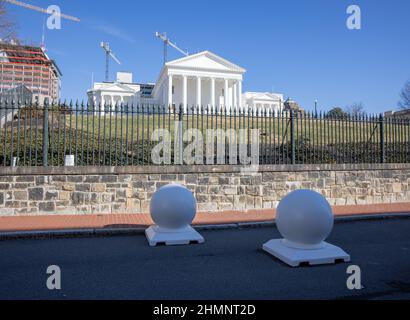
{"x":173,"y":209}
{"x":305,"y":220}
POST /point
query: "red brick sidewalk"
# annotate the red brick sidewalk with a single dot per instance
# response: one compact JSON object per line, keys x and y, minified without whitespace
{"x":46,"y":223}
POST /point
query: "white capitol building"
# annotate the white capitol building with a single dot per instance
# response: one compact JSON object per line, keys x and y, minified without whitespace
{"x":203,"y":79}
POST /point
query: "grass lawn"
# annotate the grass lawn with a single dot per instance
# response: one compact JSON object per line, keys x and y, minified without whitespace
{"x":272,"y":130}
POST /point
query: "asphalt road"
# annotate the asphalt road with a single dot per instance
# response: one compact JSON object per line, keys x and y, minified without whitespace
{"x":230,"y":265}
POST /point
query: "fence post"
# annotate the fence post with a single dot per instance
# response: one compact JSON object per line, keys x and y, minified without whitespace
{"x":382,"y":144}
{"x":292,"y":136}
{"x":45,"y":134}
{"x":180,"y":143}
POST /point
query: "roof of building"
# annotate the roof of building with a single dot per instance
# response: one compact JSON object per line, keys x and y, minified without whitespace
{"x":263,"y":96}
{"x":24,"y":54}
{"x":196,"y":62}
{"x":20,"y":54}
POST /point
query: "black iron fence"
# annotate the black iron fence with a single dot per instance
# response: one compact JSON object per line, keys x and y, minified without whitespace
{"x":125,"y":135}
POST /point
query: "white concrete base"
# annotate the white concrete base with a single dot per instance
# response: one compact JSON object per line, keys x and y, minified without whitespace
{"x":185,"y":236}
{"x":324,"y":254}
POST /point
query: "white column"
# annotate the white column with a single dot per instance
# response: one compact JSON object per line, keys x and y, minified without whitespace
{"x":235,"y":95}
{"x":170,"y":90}
{"x":239,"y":92}
{"x":226,"y":93}
{"x":185,"y":93}
{"x":198,"y":93}
{"x":213,"y":93}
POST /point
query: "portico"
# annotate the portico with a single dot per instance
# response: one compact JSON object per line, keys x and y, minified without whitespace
{"x":111,"y":96}
{"x":201,"y":81}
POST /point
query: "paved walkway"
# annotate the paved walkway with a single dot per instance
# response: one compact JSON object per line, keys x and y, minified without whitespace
{"x":70,"y":222}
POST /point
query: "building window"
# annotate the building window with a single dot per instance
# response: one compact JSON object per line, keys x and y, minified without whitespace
{"x":173,"y":89}
{"x":223,"y":92}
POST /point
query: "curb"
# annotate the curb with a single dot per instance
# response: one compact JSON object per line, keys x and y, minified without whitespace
{"x":110,"y":232}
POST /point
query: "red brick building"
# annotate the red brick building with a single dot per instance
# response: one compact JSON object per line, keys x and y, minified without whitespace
{"x":29,"y":67}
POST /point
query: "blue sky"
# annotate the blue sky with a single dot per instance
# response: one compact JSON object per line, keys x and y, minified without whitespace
{"x":301,"y":48}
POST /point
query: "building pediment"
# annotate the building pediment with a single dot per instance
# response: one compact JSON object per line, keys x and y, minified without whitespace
{"x":264,"y":97}
{"x":116,"y":87}
{"x":205,"y":61}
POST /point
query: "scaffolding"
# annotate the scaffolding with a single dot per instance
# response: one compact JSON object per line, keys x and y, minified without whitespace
{"x":29,"y":67}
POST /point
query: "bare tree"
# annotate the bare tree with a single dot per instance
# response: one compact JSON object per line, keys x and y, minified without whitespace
{"x":405,"y":96}
{"x":355,"y":109}
{"x":7,"y":26}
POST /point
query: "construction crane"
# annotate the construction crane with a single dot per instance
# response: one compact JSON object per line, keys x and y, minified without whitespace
{"x":167,"y":42}
{"x":108,"y":54}
{"x":31,"y":7}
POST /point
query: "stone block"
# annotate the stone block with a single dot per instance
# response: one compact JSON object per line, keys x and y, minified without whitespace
{"x":121,"y":194}
{"x":83,"y":187}
{"x":64,"y":195}
{"x":79,"y":198}
{"x":92,"y":179}
{"x":230,"y":190}
{"x":20,"y":195}
{"x":254,"y":191}
{"x":397,"y":188}
{"x":47,"y":207}
{"x":223,"y":181}
{"x":25,"y":179}
{"x":51,"y":195}
{"x":240,"y":202}
{"x":250,"y":202}
{"x":109,"y":179}
{"x":214,"y":190}
{"x":107,"y":197}
{"x":58,"y":179}
{"x":258,"y":203}
{"x":36,"y":194}
{"x":42,"y":180}
{"x":75,"y":179}
{"x":168,"y":177}
{"x":69,"y":187}
{"x":208,"y":207}
{"x":98,"y":187}
{"x":124,"y":178}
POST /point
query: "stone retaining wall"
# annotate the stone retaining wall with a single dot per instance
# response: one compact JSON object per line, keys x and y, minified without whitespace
{"x":100,"y":190}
